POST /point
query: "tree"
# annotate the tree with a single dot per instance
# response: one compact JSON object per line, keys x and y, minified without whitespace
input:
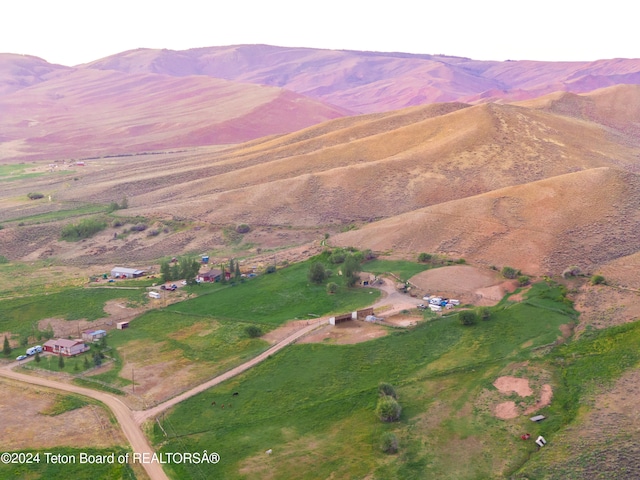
{"x":97,"y":359}
{"x":236,"y":274}
{"x":388,"y":409}
{"x":598,"y":280}
{"x":86,"y":363}
{"x":317,"y":273}
{"x":351,"y":271}
{"x":332,"y":288}
{"x":37,"y":358}
{"x":467,"y":317}
{"x":60,"y":362}
{"x":165,"y":272}
{"x":6,"y":349}
{"x":188,"y":269}
{"x":523,"y":280}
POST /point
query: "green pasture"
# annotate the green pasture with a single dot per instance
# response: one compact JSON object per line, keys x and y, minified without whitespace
{"x":277,"y":297}
{"x":41,"y":466}
{"x":21,"y":315}
{"x":62,"y":214}
{"x":313,"y":404}
{"x":400,"y":268}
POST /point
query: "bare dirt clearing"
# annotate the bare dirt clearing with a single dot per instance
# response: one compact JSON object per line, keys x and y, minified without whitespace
{"x":465,"y":283}
{"x":354,"y":331}
{"x":32,"y":429}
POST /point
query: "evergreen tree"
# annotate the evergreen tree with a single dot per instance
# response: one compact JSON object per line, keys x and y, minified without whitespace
{"x":60,"y":362}
{"x":6,"y":349}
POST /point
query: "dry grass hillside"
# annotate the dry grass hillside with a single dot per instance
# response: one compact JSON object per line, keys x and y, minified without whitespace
{"x":492,"y":183}
{"x":586,"y":218}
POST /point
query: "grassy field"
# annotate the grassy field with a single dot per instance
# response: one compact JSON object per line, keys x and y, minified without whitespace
{"x":42,"y":466}
{"x":63,"y":214}
{"x":314,"y":404}
{"x":21,"y":315}
{"x":400,"y":268}
{"x":275,"y":298}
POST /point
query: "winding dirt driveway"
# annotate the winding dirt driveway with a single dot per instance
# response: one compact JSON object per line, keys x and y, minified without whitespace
{"x":131,"y":421}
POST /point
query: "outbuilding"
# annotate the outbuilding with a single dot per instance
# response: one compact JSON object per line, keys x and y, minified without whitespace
{"x":123,"y":272}
{"x":93,"y":335}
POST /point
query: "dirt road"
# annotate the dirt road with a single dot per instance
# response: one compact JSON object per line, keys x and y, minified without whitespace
{"x":130,"y":428}
{"x":129,"y":420}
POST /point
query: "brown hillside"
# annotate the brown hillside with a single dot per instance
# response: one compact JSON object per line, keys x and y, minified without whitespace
{"x":85,"y":113}
{"x":21,"y":71}
{"x":586,"y":218}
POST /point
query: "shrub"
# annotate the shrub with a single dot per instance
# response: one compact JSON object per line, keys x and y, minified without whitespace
{"x":3,"y":259}
{"x":139,"y":227}
{"x":510,"y":272}
{"x":332,"y":287}
{"x":35,"y":195}
{"x":153,"y":233}
{"x":523,"y":280}
{"x":243,"y":228}
{"x":387,"y":389}
{"x":388,"y":409}
{"x":483,"y":313}
{"x":270,"y":269}
{"x":389,"y":443}
{"x":468,"y":317}
{"x":572,"y":271}
{"x":598,"y":280}
{"x":253,"y":332}
{"x":425,"y":257}
{"x":85,"y":229}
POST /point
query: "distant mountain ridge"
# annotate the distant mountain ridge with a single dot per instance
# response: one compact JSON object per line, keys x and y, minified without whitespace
{"x":367,"y":82}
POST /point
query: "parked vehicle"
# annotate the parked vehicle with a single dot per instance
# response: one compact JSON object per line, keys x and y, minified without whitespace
{"x":154,"y":294}
{"x":21,"y":357}
{"x":31,"y":351}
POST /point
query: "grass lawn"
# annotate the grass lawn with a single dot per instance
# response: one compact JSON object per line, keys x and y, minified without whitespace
{"x":314,"y":404}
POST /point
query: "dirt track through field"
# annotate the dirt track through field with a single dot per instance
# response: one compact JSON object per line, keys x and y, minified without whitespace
{"x":130,"y":421}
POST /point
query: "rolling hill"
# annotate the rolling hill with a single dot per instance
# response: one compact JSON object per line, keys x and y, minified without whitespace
{"x":466,"y":180}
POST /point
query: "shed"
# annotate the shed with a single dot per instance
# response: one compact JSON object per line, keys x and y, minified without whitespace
{"x":65,"y":347}
{"x":93,"y":335}
{"x":123,"y":272}
{"x":122,"y":325}
{"x":340,"y":319}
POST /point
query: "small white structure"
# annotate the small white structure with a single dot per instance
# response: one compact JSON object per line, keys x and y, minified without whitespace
{"x":269,"y":452}
{"x":154,"y":294}
{"x":435,"y":308}
{"x":540,"y":441}
{"x":453,"y":301}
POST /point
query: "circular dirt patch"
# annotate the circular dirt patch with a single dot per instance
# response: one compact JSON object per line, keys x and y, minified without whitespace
{"x":506,"y":410}
{"x":513,"y":384}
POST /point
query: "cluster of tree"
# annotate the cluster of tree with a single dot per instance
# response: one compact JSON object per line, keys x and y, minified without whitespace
{"x":350,"y":261}
{"x":185,"y":268}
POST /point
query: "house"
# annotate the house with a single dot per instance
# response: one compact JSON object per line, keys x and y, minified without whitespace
{"x":93,"y":335}
{"x":65,"y":347}
{"x":122,"y":272}
{"x":213,"y":275}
